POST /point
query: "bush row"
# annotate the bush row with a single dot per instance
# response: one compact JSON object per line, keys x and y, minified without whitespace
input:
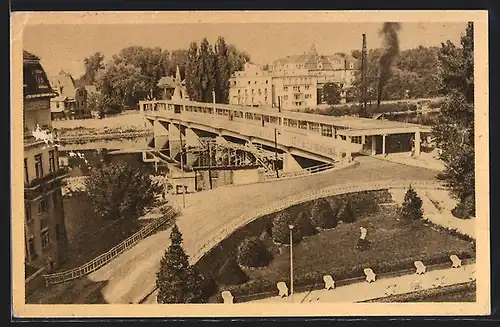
{"x":314,"y":279}
{"x":307,"y":218}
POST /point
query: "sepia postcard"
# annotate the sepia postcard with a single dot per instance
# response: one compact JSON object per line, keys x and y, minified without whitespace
{"x":243,"y":164}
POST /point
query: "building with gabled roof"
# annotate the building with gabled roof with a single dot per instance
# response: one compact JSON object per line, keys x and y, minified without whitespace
{"x":45,"y":231}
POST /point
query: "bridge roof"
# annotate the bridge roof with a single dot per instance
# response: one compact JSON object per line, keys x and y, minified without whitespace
{"x":347,"y":122}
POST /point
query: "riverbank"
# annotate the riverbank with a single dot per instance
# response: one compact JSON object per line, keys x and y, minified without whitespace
{"x":125,"y":125}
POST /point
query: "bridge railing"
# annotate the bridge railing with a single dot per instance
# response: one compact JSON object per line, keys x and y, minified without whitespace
{"x":104,"y":258}
{"x":309,"y":196}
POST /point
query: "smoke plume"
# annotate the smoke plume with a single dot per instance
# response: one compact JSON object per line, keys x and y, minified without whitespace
{"x":391,"y":43}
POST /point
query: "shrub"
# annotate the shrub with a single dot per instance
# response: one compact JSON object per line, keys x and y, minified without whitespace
{"x":465,"y":208}
{"x":303,"y":225}
{"x":322,"y":215}
{"x":362,"y":244}
{"x":253,"y":253}
{"x":347,"y":214}
{"x":281,"y":231}
{"x":230,"y":273}
{"x":412,"y":205}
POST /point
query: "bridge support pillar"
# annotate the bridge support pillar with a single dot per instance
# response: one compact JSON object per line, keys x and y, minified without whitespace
{"x":192,"y":140}
{"x":174,"y":139}
{"x":160,"y":131}
{"x":416,"y":151}
{"x":290,"y":165}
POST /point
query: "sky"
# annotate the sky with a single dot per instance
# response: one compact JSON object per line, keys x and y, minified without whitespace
{"x":66,"y":46}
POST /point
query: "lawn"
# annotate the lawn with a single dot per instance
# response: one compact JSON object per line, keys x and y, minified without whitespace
{"x":391,"y":239}
{"x":395,"y":245}
{"x":89,"y":235}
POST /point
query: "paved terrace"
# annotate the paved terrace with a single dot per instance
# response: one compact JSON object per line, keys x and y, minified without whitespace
{"x":132,"y":275}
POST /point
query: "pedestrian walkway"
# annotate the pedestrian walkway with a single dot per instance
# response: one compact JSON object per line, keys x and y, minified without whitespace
{"x":384,"y":287}
{"x":437,"y":206}
{"x":425,"y":160}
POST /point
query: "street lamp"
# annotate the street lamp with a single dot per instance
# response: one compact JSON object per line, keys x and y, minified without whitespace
{"x":290,"y":227}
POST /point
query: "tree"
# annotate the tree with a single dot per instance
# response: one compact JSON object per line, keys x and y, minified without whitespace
{"x":150,"y":62}
{"x":454,"y":129}
{"x":237,"y":59}
{"x":92,"y":66}
{"x":206,"y":70}
{"x":322,"y":215}
{"x":412,"y":205}
{"x":281,"y":231}
{"x":222,"y":71}
{"x":102,"y":104}
{"x":252,"y":253}
{"x":178,"y":58}
{"x":347,"y":214}
{"x":177,"y":281}
{"x":331,"y":93}
{"x":230,"y":273}
{"x":124,"y":84}
{"x":193,"y":81}
{"x":303,"y":224}
{"x":120,"y":190}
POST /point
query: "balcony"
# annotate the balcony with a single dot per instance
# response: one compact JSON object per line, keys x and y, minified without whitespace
{"x":48,"y":182}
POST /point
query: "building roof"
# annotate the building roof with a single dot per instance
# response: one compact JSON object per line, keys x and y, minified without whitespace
{"x":29,"y":56}
{"x":312,"y":60}
{"x":35,"y":81}
{"x":64,"y":84}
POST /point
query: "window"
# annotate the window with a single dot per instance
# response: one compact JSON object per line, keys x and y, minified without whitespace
{"x":285,"y":97}
{"x":356,"y":139}
{"x":255,"y":82}
{"x":297,"y":96}
{"x":57,"y":105}
{"x":253,"y":92}
{"x":302,"y":124}
{"x":296,"y":88}
{"x":26,"y":176}
{"x":307,"y":87}
{"x":292,"y":123}
{"x":239,"y":91}
{"x":285,"y":88}
{"x":267,"y":81}
{"x":45,"y":238}
{"x":38,"y":166}
{"x":307,"y":96}
{"x":27,"y":211}
{"x":265,"y":91}
{"x":52,"y":161}
{"x":314,"y":127}
{"x":260,"y":92}
{"x":248,"y":82}
{"x":326,"y":130}
{"x":31,"y":248}
{"x":42,"y":207}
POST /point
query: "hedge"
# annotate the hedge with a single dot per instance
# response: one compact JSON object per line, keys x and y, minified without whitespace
{"x":314,"y":279}
{"x":253,"y":253}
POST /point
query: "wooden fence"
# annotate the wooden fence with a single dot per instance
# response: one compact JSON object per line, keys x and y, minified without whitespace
{"x":104,"y":258}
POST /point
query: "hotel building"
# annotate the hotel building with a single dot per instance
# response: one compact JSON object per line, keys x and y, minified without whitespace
{"x":296,"y":81}
{"x":45,"y":231}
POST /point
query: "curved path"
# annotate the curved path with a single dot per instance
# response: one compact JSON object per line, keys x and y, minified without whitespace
{"x":131,"y":276}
